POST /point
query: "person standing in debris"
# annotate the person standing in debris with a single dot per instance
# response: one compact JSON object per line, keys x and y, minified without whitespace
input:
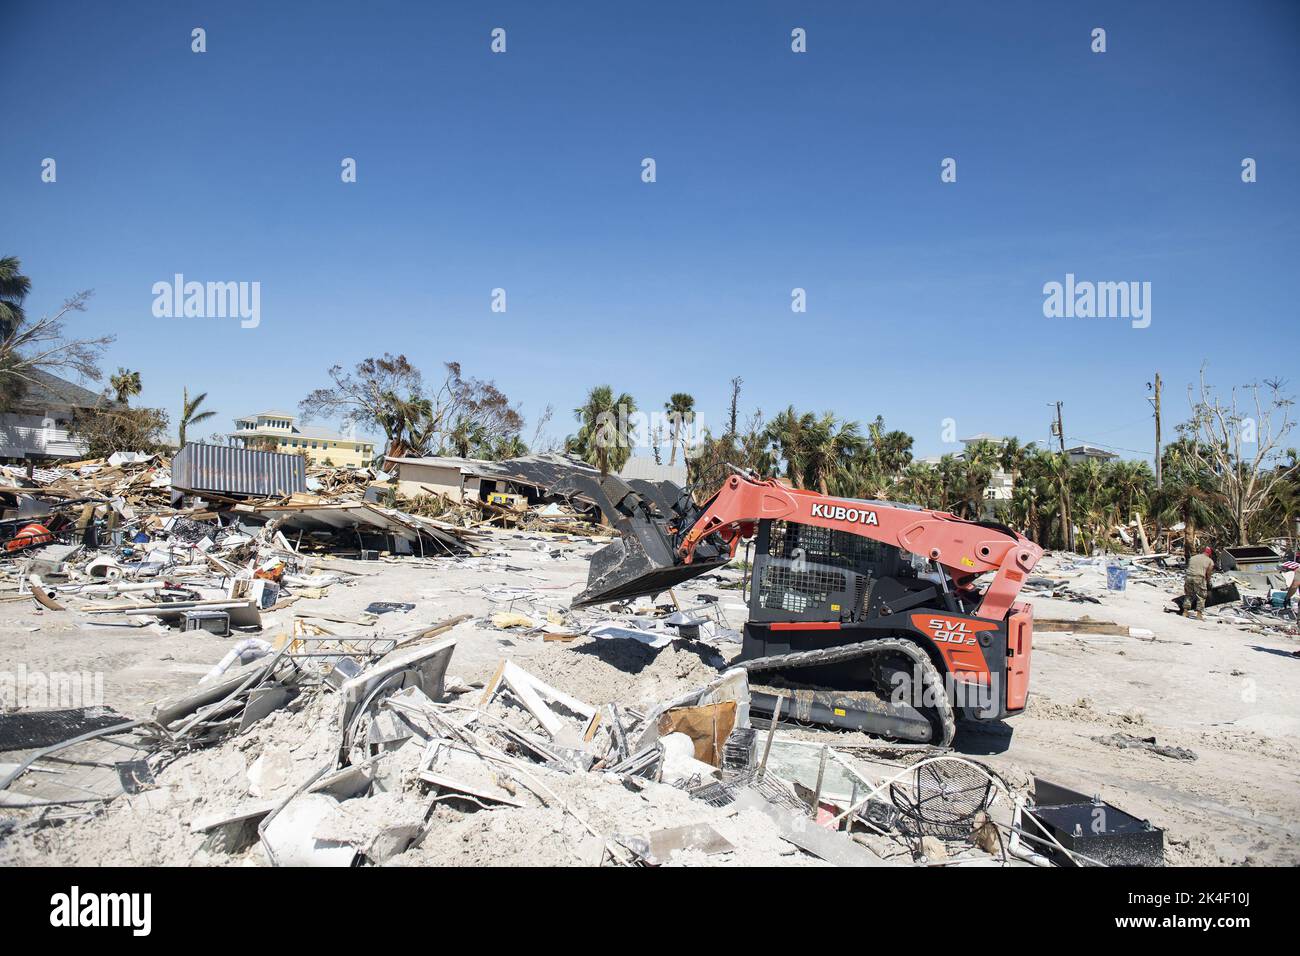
{"x":1293,"y":566}
{"x":1196,"y":585}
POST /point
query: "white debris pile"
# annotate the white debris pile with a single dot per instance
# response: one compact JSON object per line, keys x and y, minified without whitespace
{"x":340,"y":755}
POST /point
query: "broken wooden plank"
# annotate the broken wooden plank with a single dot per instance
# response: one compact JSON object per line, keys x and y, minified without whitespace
{"x":38,"y":592}
{"x":1083,"y":625}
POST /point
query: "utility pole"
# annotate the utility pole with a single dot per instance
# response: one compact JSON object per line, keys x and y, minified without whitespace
{"x":1158,"y":431}
{"x":1067,"y":526}
{"x":1155,"y":402}
{"x":1060,"y":429}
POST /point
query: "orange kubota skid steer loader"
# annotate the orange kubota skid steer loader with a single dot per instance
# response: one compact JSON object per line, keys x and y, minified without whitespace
{"x":863,"y":615}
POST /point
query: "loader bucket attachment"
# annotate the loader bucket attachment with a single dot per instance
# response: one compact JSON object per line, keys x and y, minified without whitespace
{"x":640,"y":563}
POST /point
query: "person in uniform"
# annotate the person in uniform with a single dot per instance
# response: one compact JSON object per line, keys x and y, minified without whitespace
{"x":1196,"y":585}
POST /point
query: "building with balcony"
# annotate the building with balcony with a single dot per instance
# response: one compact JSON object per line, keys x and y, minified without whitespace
{"x":280,"y":431}
{"x":39,"y":425}
{"x":1000,"y":486}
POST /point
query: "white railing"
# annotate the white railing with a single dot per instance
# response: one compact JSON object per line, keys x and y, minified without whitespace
{"x":19,"y":440}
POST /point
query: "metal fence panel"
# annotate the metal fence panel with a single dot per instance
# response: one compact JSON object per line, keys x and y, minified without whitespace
{"x":224,"y":469}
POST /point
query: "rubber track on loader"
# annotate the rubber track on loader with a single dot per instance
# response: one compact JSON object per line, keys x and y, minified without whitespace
{"x":931,"y":680}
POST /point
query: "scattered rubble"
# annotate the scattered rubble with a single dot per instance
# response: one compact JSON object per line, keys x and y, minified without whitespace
{"x":339,"y":733}
{"x":328,"y":751}
{"x":1130,"y":742}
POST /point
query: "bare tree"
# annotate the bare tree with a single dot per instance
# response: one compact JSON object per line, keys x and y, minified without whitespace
{"x":468,"y":414}
{"x":388,"y":393}
{"x":1239,"y":449}
{"x":367,"y":396}
{"x":541,"y":441}
{"x":472,"y":403}
{"x":109,"y":428}
{"x":733,"y":410}
{"x":42,"y":344}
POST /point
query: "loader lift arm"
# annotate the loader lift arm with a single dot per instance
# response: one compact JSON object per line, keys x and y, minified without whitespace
{"x":963,"y":548}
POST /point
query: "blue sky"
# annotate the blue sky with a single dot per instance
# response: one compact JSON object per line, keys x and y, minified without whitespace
{"x":775,"y":171}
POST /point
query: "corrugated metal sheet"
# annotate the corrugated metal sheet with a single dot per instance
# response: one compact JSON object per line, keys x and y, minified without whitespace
{"x":226,"y":470}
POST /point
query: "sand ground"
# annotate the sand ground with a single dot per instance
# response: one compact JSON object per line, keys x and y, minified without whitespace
{"x":1229,"y":696}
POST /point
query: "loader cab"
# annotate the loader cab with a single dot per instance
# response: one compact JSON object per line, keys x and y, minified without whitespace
{"x":808,"y":573}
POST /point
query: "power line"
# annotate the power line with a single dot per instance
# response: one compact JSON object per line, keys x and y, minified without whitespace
{"x":1111,"y":431}
{"x":1098,"y":444}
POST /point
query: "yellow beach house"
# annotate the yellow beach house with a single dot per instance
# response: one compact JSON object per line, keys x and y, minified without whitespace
{"x":280,"y":431}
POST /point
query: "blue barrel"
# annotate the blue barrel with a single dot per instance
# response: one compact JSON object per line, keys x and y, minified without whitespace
{"x":1116,"y":577}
